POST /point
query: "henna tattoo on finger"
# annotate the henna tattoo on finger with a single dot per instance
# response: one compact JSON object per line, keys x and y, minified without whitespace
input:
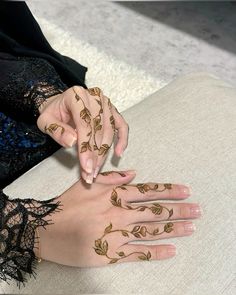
{"x":112,"y":121}
{"x":86,"y":116}
{"x":95,"y":91}
{"x":138,"y":231}
{"x":103,"y":149}
{"x":105,"y":173}
{"x":155,"y":208}
{"x":53,"y":127}
{"x":144,"y":187}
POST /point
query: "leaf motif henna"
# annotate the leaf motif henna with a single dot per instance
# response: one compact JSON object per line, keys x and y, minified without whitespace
{"x":53,"y":127}
{"x":101,"y":247}
{"x":169,"y":227}
{"x":144,"y":187}
{"x":95,"y":91}
{"x":85,"y":146}
{"x":103,"y":149}
{"x":112,"y":121}
{"x":86,"y":115}
{"x":155,"y":208}
{"x":105,"y":173}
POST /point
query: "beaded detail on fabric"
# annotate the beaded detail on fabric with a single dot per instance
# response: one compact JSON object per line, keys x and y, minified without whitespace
{"x":19,"y":219}
{"x":26,"y":82}
{"x":21,"y":147}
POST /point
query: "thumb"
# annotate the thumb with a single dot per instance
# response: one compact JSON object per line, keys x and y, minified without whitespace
{"x":62,"y":133}
{"x":115,"y":177}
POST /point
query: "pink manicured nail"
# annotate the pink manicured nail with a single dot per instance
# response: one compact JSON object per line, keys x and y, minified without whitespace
{"x":89,"y":178}
{"x":96,"y":172}
{"x":171,"y":250}
{"x":185,"y":190}
{"x":195,"y":211}
{"x":89,"y":166}
{"x":189,"y":227}
{"x":130,"y":172}
{"x":69,"y":139}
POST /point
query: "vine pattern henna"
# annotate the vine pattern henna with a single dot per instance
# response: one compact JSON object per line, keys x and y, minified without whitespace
{"x":86,"y":116}
{"x":97,"y":120}
{"x":52,"y":127}
{"x":138,"y":231}
{"x":105,"y":173}
{"x":96,"y":91}
{"x":155,"y":208}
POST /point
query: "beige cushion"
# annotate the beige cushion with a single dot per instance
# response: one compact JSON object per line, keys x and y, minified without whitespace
{"x":184,"y":133}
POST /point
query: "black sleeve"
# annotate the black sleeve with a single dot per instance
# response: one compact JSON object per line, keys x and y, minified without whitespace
{"x":25,"y":82}
{"x":19,"y":219}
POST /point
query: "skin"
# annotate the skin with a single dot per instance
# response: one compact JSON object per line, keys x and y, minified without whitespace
{"x":85,"y":117}
{"x":91,"y":231}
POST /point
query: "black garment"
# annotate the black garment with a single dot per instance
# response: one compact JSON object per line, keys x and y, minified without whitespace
{"x":30,"y":71}
{"x":18,"y":223}
{"x":24,"y":81}
{"x":21,"y":35}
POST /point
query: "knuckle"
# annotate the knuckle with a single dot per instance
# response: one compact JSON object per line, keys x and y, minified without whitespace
{"x":80,"y":88}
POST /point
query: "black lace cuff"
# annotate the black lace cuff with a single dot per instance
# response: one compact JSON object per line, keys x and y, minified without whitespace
{"x":19,"y":219}
{"x":26,"y":83}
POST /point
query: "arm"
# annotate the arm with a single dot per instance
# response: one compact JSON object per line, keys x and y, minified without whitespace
{"x":25,"y":83}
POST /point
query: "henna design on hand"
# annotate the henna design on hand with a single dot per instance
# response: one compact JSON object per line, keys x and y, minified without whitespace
{"x":144,"y":187}
{"x":105,"y":173}
{"x":156,"y":208}
{"x":86,"y":116}
{"x":52,"y":127}
{"x":101,"y":247}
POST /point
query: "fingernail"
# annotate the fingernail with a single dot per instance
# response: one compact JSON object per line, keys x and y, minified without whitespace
{"x":130,"y":172}
{"x":121,"y":155}
{"x":185,"y":190}
{"x":89,"y":166}
{"x":196,"y":211}
{"x":89,"y":178}
{"x":69,"y":139}
{"x":189,"y":227}
{"x":171,"y":250}
{"x":96,"y":172}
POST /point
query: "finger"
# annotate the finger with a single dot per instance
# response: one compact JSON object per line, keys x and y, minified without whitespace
{"x":80,"y":110}
{"x":150,"y":191}
{"x":115,"y":177}
{"x":122,"y":130}
{"x":99,"y":126}
{"x":107,"y":139}
{"x":161,"y":211}
{"x":62,"y":133}
{"x":131,"y":252}
{"x":156,"y":231}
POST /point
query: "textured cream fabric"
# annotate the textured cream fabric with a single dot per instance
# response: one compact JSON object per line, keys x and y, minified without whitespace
{"x":183,"y":133}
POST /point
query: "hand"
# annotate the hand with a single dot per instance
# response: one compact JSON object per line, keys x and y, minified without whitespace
{"x":88,"y":117}
{"x":97,"y":223}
